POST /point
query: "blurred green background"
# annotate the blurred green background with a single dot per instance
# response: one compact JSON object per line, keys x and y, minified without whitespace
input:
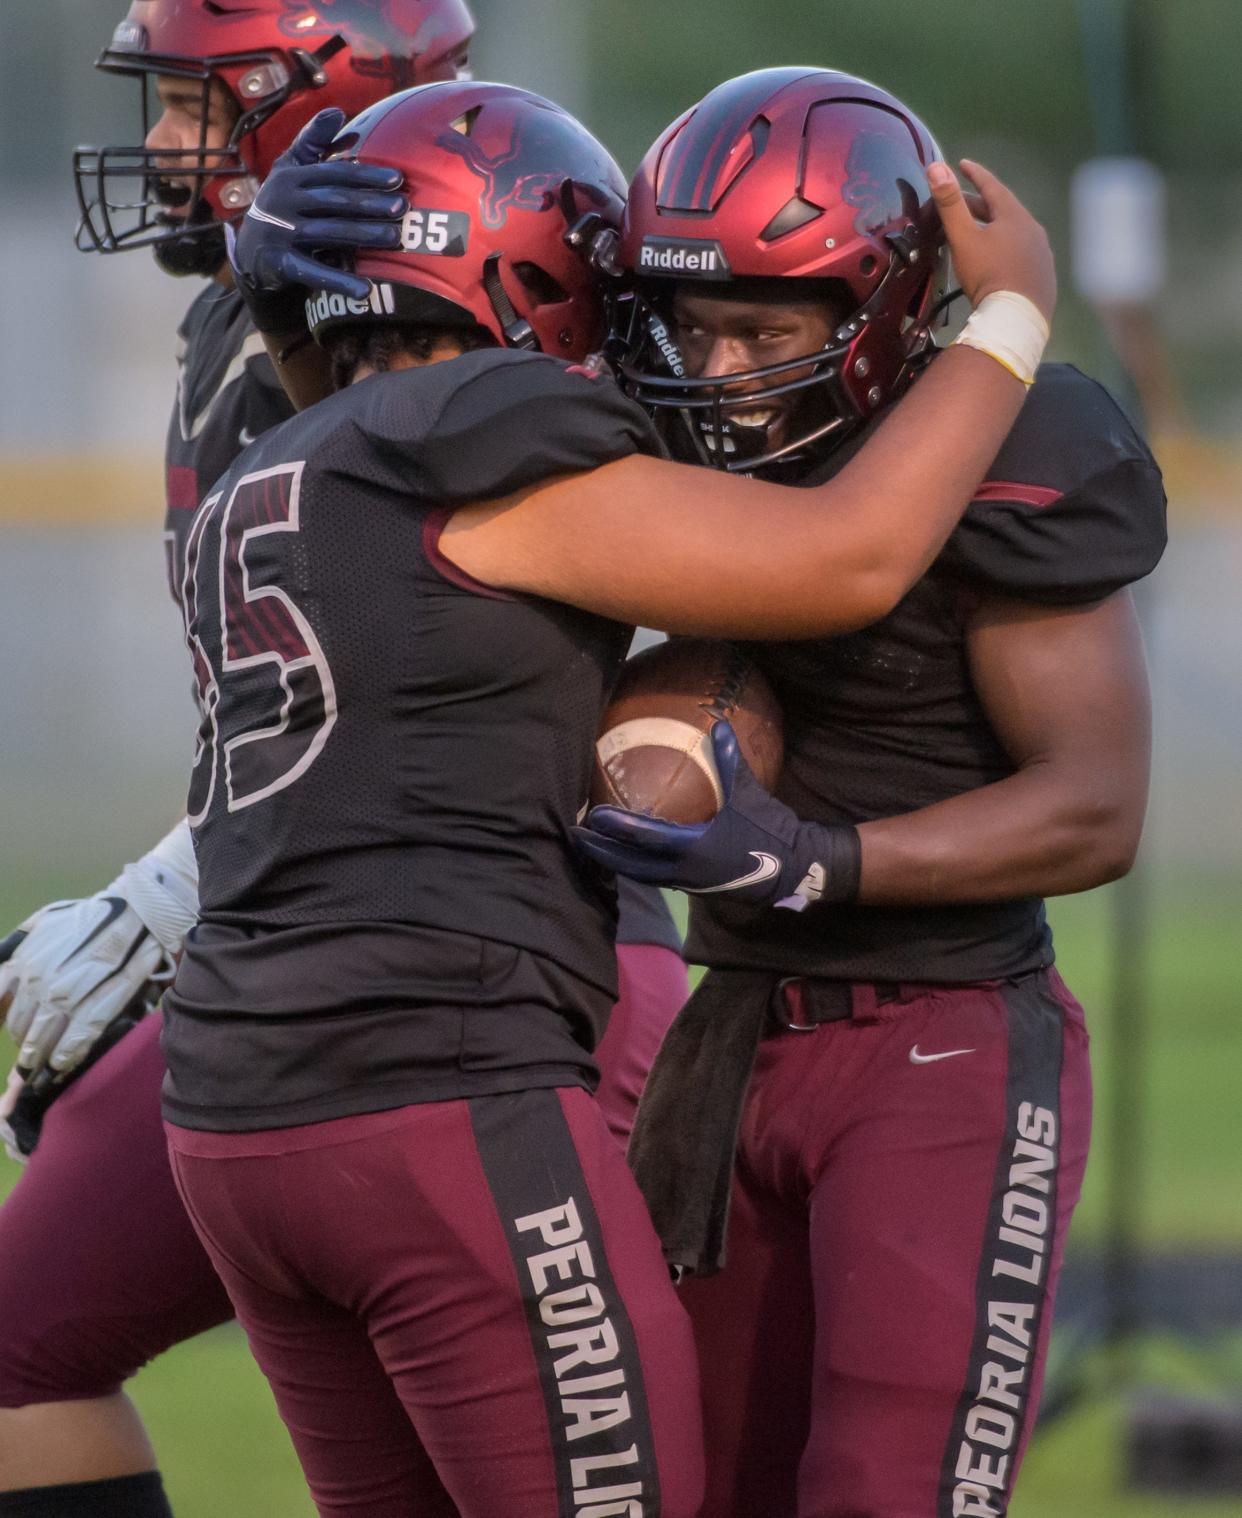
{"x":96,"y":725}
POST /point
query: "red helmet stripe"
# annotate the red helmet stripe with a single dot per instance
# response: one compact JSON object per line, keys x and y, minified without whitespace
{"x":699,"y":152}
{"x":697,"y":156}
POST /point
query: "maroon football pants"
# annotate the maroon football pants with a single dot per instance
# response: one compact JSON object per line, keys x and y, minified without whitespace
{"x":100,"y":1270}
{"x":461,"y":1307}
{"x":875,"y":1343}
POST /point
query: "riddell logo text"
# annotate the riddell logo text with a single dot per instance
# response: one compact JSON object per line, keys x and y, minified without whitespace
{"x":663,"y":340}
{"x":585,"y":1355}
{"x":691,"y":260}
{"x":322,"y":306}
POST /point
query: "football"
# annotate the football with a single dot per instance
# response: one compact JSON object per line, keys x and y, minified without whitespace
{"x":653,"y":753}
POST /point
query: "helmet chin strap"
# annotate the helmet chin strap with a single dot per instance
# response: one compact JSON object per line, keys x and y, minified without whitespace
{"x":517,"y":331}
{"x":199,"y":250}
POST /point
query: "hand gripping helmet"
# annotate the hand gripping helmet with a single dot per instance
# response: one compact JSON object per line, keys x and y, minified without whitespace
{"x":509,"y":195}
{"x":797,"y":174}
{"x":280,"y":61}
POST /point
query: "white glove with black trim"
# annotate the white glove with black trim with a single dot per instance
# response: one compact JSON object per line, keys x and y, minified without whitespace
{"x":78,"y":964}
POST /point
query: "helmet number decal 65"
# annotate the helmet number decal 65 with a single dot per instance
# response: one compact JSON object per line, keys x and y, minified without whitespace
{"x":446,"y":233}
{"x":249,"y":638}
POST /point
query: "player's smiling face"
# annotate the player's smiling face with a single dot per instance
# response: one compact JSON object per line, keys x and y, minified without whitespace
{"x":181,"y":129}
{"x":721,"y":335}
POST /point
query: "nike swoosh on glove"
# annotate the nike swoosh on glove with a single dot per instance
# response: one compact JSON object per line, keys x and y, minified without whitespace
{"x":305,"y":207}
{"x":755,"y":849}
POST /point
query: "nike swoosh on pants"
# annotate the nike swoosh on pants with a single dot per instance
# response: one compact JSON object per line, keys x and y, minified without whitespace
{"x":930,"y":1059}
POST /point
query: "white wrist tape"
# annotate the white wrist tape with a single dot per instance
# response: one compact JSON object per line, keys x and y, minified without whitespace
{"x":1009,"y":328}
{"x":162,"y":887}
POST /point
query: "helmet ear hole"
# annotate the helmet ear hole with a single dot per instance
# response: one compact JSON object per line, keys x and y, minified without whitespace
{"x":545,"y":290}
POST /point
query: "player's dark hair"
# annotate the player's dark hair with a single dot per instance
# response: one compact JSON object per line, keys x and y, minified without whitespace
{"x":349,"y":348}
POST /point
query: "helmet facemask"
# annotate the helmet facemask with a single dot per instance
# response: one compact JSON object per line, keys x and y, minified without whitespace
{"x":702,"y":410}
{"x":126,"y":194}
{"x":276,"y":62}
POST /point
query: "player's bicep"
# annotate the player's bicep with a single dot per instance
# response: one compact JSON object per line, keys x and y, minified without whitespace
{"x":687,"y":550}
{"x":1067,"y":687}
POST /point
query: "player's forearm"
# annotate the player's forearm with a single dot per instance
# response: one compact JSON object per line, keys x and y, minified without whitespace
{"x":1050,"y":829}
{"x":691,"y":551}
{"x":1032,"y":834}
{"x":895,"y":503}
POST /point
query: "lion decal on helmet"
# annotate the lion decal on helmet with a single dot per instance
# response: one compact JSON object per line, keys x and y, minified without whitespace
{"x":516,"y":177}
{"x":885,"y":182}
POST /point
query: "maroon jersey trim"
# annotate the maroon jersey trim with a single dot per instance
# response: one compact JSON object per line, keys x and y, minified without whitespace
{"x":1008,"y":490}
{"x":181,"y":488}
{"x":453,"y":573}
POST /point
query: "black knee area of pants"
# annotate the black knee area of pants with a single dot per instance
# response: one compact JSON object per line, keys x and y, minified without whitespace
{"x":139,"y":1496}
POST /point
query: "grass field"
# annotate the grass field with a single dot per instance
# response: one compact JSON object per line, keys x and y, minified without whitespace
{"x":224,"y":1451}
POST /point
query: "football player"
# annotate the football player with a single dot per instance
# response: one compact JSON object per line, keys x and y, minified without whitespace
{"x":99,"y":1267}
{"x":911,"y":1143}
{"x":404,"y":609}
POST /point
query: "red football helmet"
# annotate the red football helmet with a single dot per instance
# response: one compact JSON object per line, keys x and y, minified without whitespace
{"x":508,"y":197}
{"x":281,"y":61}
{"x":800,"y":174}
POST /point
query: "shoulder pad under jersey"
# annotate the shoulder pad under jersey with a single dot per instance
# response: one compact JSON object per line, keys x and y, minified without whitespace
{"x":490,"y":422}
{"x":1073,"y":507}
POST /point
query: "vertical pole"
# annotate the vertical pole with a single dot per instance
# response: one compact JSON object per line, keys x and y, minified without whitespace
{"x":1117,"y":58}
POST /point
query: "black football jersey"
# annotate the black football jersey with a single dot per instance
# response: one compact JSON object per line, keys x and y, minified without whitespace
{"x":227,"y":396}
{"x":390,"y":759}
{"x":886,"y":720}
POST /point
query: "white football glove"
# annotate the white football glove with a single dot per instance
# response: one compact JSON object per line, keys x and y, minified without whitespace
{"x":81,"y":963}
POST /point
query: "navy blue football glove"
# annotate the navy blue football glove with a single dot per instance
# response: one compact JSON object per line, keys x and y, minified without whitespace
{"x":306,"y":206}
{"x":754,"y":849}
